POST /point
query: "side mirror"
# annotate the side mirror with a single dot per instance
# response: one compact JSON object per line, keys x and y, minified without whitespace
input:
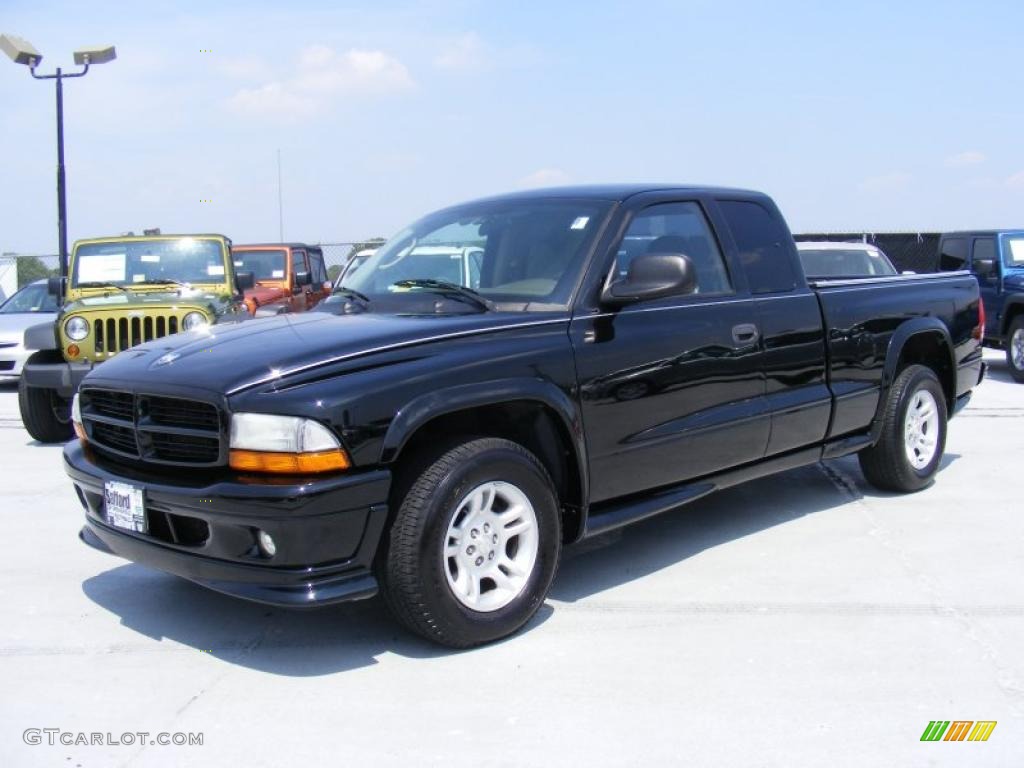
{"x":245,"y":280}
{"x":984,"y":267}
{"x":327,"y":288}
{"x":55,"y":286}
{"x":652,"y":276}
{"x":301,"y":279}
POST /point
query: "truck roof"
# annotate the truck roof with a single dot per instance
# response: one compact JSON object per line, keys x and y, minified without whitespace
{"x":273,"y":245}
{"x":1010,"y":231}
{"x":617,"y":192}
{"x":127,"y":238}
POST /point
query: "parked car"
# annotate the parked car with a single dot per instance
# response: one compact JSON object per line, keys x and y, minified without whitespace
{"x":121,"y":292}
{"x":996,"y":257}
{"x":289,"y":277}
{"x":358,"y":259}
{"x":29,"y":306}
{"x":441,"y":443}
{"x":832,"y":259}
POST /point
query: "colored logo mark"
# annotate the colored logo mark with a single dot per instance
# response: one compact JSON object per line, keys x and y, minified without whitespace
{"x":958,"y":730}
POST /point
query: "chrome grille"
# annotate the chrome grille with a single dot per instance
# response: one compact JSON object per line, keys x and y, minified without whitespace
{"x":116,"y":334}
{"x":154,"y":428}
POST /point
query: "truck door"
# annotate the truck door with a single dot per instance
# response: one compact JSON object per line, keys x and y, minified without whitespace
{"x":300,"y":293}
{"x":792,"y":330}
{"x":320,"y":287}
{"x":984,"y":247}
{"x":670,"y":389}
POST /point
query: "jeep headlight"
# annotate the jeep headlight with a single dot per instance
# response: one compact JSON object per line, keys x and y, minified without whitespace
{"x":76,"y":328}
{"x":193,"y":320}
{"x":262,"y":442}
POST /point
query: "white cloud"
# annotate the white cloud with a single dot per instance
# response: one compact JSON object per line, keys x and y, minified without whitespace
{"x":243,"y":67}
{"x":321,"y":74}
{"x":966,"y":159}
{"x":464,"y":54}
{"x":545,"y":177}
{"x":886,"y":182}
{"x":1016,"y":181}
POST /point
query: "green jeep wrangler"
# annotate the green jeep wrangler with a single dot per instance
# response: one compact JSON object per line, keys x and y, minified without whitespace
{"x":122,"y":291}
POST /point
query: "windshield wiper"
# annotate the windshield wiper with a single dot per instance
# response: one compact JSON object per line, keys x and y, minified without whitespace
{"x":100,"y":284}
{"x":167,"y":281}
{"x":350,"y":292}
{"x":447,"y":288}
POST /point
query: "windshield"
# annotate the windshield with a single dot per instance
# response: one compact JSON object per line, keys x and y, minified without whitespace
{"x":1013,"y":253}
{"x":264,"y":264}
{"x":854,"y":262}
{"x":31,"y":298}
{"x":519,"y":254}
{"x":133,"y":262}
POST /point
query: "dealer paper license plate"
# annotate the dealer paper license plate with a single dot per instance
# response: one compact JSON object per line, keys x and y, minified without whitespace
{"x":124,"y":506}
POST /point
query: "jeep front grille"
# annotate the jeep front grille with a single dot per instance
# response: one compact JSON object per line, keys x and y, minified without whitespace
{"x":154,"y":428}
{"x":116,"y":334}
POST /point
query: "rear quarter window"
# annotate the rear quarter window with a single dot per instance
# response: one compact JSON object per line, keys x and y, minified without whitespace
{"x":762,"y":243}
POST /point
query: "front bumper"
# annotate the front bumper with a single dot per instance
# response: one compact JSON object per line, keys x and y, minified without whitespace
{"x":62,"y":377}
{"x":326,"y":529}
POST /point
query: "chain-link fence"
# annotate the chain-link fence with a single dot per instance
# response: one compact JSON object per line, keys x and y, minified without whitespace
{"x":908,"y":251}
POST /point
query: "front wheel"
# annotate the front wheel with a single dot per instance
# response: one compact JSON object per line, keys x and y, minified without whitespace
{"x":907,"y":454}
{"x":45,"y":414}
{"x":474,"y":546}
{"x":1015,"y":349}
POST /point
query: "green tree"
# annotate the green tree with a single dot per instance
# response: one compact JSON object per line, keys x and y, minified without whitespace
{"x":31,"y":268}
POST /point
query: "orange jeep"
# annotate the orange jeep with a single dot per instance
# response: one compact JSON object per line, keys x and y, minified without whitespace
{"x":289,"y":277}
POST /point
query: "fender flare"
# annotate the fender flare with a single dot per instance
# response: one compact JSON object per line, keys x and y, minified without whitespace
{"x":420,"y":410}
{"x":903,"y":334}
{"x":1014,"y":305}
{"x":42,"y":336}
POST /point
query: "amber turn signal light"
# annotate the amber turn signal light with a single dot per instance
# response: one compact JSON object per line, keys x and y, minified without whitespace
{"x":289,"y":463}
{"x":73,"y":351}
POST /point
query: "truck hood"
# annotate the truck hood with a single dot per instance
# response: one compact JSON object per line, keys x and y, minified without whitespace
{"x":1014,"y":280}
{"x":145,"y":299}
{"x":228,"y":358}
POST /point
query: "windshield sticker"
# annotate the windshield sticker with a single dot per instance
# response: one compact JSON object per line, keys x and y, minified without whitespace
{"x":580,"y":223}
{"x":138,"y":278}
{"x":215,"y":270}
{"x":238,"y":263}
{"x":1017,"y":249}
{"x":101,"y":268}
{"x":152,"y":258}
{"x":277,"y":273}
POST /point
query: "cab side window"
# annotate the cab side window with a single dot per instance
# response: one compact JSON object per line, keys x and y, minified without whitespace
{"x":676,"y":228}
{"x":316,"y":266}
{"x":984,"y":248}
{"x":298,"y":262}
{"x":953,"y":254}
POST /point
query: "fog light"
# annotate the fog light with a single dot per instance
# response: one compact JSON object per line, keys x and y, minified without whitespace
{"x":267,"y":545}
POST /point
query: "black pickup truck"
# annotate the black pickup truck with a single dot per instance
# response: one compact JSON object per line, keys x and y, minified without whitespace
{"x":439,"y":433}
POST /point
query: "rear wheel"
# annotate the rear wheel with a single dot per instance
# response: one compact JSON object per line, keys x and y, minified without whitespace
{"x":909,"y":450}
{"x":474,"y":545}
{"x":45,"y":414}
{"x":1015,"y":349}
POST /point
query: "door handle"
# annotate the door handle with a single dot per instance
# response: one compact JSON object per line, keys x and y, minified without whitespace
{"x":745,"y":333}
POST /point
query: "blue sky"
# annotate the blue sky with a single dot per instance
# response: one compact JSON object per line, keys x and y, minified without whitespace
{"x":868,"y":115}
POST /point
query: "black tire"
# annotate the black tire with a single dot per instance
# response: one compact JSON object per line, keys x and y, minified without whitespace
{"x":46,"y":415}
{"x":1017,"y":326}
{"x":886,"y":464}
{"x":413,"y":574}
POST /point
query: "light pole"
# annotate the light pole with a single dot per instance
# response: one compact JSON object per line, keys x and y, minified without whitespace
{"x":23,"y":52}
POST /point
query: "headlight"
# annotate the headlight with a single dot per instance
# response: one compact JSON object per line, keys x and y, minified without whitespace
{"x":76,"y":328}
{"x":76,"y":419}
{"x":262,"y":442}
{"x":193,"y":320}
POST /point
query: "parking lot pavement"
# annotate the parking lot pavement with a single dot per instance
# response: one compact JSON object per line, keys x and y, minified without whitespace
{"x":803,"y":619}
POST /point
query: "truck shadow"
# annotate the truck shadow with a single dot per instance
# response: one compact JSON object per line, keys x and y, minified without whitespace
{"x":998,"y":370}
{"x":325,"y":641}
